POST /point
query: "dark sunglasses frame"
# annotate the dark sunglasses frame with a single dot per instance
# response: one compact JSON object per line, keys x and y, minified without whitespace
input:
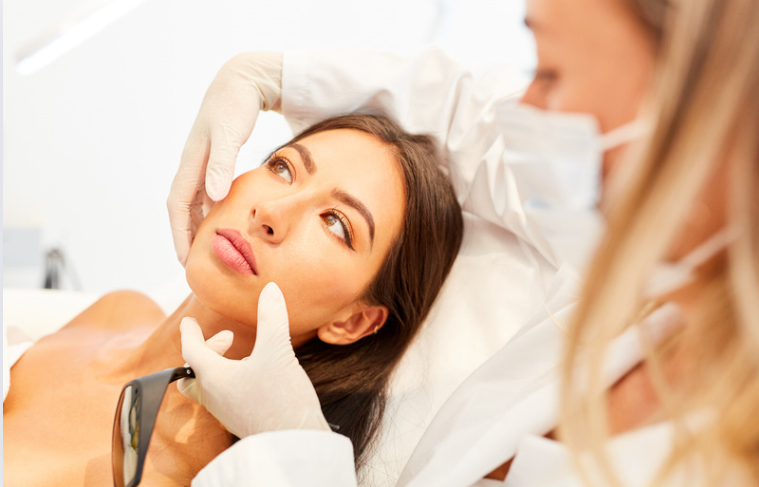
{"x":146,"y":398}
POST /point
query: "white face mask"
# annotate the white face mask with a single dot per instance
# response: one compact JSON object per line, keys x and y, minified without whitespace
{"x":670,"y":276}
{"x":569,"y":146}
{"x":567,"y":150}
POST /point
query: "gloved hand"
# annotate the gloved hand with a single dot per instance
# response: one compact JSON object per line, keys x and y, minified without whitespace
{"x":265,"y":391}
{"x":246,"y":84}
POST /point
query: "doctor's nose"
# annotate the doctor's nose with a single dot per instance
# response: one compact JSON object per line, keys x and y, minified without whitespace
{"x":534,"y":95}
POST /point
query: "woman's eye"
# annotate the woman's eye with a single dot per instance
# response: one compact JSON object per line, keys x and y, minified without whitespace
{"x":282,"y":169}
{"x":337,"y":225}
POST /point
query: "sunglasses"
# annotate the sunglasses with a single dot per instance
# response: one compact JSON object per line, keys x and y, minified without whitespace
{"x":136,"y":414}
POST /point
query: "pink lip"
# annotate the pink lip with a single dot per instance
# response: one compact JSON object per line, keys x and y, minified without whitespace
{"x":235,"y":251}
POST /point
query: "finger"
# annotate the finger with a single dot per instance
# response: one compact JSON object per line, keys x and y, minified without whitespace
{"x":191,"y":389}
{"x":221,"y":341}
{"x":183,"y":190}
{"x":221,"y":167}
{"x":196,"y":209}
{"x":194,"y":349}
{"x":182,"y":241}
{"x":207,"y":204}
{"x":180,"y":221}
{"x":272,"y":329}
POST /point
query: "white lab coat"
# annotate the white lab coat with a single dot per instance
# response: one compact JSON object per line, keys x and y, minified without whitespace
{"x":514,"y":394}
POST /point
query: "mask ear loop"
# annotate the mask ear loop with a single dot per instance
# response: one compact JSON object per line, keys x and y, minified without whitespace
{"x":709,"y":248}
{"x":670,"y":276}
{"x":623,"y":134}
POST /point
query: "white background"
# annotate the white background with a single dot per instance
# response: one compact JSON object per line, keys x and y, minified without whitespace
{"x":91,"y":141}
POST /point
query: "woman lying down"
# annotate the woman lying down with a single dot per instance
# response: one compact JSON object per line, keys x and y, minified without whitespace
{"x":358,"y":227}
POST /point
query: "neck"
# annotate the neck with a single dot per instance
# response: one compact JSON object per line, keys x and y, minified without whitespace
{"x":162,"y":349}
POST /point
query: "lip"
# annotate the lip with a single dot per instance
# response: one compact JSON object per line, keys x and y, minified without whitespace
{"x":235,"y":251}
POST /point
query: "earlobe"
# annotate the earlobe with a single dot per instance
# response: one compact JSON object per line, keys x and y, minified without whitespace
{"x":364,"y":322}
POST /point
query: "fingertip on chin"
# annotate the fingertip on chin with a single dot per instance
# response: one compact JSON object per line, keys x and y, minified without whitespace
{"x":188,"y":324}
{"x":272,"y":289}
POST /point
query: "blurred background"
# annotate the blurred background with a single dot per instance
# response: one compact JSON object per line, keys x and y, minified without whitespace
{"x":92,"y":133}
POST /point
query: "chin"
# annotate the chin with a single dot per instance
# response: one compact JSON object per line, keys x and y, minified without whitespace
{"x":218,"y":291}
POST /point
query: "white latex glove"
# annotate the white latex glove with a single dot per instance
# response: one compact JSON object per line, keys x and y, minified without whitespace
{"x":246,"y":84}
{"x":266,"y":391}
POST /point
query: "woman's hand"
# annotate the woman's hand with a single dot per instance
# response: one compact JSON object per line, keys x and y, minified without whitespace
{"x":245,"y":85}
{"x":265,"y":391}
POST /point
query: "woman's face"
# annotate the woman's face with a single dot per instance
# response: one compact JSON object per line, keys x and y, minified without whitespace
{"x":594,"y":56}
{"x":318,"y":219}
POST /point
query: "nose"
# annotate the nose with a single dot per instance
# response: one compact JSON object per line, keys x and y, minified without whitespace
{"x":271,"y":220}
{"x":534,"y":96}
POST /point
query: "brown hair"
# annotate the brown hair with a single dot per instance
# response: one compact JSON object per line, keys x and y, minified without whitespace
{"x":351,"y":380}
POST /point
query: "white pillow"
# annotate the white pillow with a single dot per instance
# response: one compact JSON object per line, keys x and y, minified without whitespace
{"x":496,"y":284}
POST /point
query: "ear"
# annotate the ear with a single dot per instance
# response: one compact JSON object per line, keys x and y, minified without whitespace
{"x":363,"y":322}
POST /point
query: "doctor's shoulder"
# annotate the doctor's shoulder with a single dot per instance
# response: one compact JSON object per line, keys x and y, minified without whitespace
{"x":120,"y":310}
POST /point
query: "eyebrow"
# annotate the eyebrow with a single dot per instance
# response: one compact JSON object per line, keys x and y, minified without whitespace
{"x":349,"y":200}
{"x":305,"y":154}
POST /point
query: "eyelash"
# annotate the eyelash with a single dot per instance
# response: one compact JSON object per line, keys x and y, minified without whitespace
{"x":272,"y":164}
{"x":346,"y":225}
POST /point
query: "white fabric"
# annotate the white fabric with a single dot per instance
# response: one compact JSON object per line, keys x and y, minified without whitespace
{"x":15,"y":343}
{"x":39,"y":312}
{"x":318,"y":458}
{"x":513,"y":395}
{"x":635,"y":457}
{"x":510,"y":256}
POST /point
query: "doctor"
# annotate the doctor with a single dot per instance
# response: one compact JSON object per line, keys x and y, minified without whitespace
{"x":596,"y":57}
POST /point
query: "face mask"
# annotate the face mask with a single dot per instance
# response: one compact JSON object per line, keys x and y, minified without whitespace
{"x":567,"y":148}
{"x":670,"y":276}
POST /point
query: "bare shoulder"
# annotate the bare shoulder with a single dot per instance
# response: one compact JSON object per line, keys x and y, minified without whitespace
{"x":119,"y":310}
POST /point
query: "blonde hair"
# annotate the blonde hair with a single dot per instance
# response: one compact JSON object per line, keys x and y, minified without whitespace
{"x":705,"y":104}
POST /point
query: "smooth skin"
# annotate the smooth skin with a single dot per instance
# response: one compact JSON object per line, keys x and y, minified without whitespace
{"x":58,"y":415}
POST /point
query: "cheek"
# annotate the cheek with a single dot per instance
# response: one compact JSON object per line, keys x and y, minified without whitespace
{"x":319,"y":280}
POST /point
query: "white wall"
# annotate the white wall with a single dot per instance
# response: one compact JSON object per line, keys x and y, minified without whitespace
{"x":91,"y":141}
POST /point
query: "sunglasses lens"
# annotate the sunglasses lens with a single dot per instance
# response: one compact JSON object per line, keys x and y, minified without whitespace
{"x":126,"y":437}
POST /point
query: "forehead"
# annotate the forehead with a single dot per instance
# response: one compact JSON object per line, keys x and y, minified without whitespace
{"x":577,"y":21}
{"x":352,"y":157}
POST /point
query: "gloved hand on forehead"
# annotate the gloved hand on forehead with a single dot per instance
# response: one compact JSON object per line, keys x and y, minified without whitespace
{"x":266,"y":391}
{"x":245,"y":85}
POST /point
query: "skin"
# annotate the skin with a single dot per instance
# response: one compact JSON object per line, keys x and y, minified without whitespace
{"x":65,"y":388}
{"x":594,"y":56}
